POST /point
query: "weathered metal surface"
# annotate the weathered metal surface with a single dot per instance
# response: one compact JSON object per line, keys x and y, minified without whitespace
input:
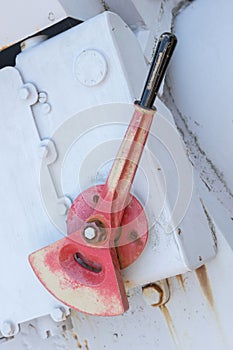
{"x":194,"y":319}
{"x":202,"y":276}
{"x":131,"y":242}
{"x":87,"y":259}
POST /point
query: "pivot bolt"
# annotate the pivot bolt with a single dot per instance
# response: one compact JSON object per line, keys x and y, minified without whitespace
{"x":89,"y":233}
{"x":94,"y":232}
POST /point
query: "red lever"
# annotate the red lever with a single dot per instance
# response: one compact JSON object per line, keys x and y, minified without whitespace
{"x":107,"y":227}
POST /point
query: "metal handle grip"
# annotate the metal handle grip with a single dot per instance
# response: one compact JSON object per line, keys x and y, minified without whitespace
{"x":162,"y":56}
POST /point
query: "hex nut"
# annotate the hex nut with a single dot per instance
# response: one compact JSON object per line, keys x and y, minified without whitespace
{"x":24,"y":93}
{"x":89,"y":233}
{"x":156,"y":294}
{"x":94,"y":232}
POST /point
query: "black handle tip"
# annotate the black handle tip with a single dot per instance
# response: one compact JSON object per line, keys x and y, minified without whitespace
{"x":162,"y":56}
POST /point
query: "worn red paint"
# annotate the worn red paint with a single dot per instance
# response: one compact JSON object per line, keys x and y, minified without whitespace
{"x":125,"y":225}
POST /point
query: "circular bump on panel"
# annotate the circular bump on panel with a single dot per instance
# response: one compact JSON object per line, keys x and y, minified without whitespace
{"x":90,"y":68}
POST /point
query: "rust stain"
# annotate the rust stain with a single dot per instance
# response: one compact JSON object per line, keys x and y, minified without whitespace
{"x":170,"y":324}
{"x":180,"y":279}
{"x":86,"y":344}
{"x":74,"y":314}
{"x":74,"y":335}
{"x":78,"y":342}
{"x":129,"y":284}
{"x":5,"y":47}
{"x":89,"y":320}
{"x":203,"y":279}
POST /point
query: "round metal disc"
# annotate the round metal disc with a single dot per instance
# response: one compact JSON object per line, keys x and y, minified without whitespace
{"x":133,"y":232}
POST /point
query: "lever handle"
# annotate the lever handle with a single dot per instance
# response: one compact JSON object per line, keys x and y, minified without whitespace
{"x":165,"y":47}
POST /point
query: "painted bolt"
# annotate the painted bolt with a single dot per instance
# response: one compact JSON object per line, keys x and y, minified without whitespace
{"x":42,"y":97}
{"x":24,"y":93}
{"x":8,"y":329}
{"x":89,"y":233}
{"x":152,"y":294}
{"x":156,"y":294}
{"x":58,"y":314}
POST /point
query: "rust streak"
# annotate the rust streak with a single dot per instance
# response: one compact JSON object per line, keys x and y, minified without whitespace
{"x":181,"y":280}
{"x":4,"y":47}
{"x":76,"y":316}
{"x":77,"y":341}
{"x":86,"y":344}
{"x":170,"y":324}
{"x":203,"y":279}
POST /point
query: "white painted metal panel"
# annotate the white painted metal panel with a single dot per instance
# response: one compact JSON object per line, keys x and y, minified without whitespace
{"x":22,"y":214}
{"x":20,"y":19}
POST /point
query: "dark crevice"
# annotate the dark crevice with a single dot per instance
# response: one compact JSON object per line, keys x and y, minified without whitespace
{"x":7,"y":56}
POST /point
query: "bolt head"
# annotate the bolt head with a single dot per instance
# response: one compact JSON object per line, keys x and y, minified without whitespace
{"x":156,"y":294}
{"x":89,"y":233}
{"x":58,"y":314}
{"x":152,"y":295}
{"x":24,"y":93}
{"x":94,"y":232}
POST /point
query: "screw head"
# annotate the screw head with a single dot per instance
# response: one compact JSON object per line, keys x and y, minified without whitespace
{"x":89,"y":232}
